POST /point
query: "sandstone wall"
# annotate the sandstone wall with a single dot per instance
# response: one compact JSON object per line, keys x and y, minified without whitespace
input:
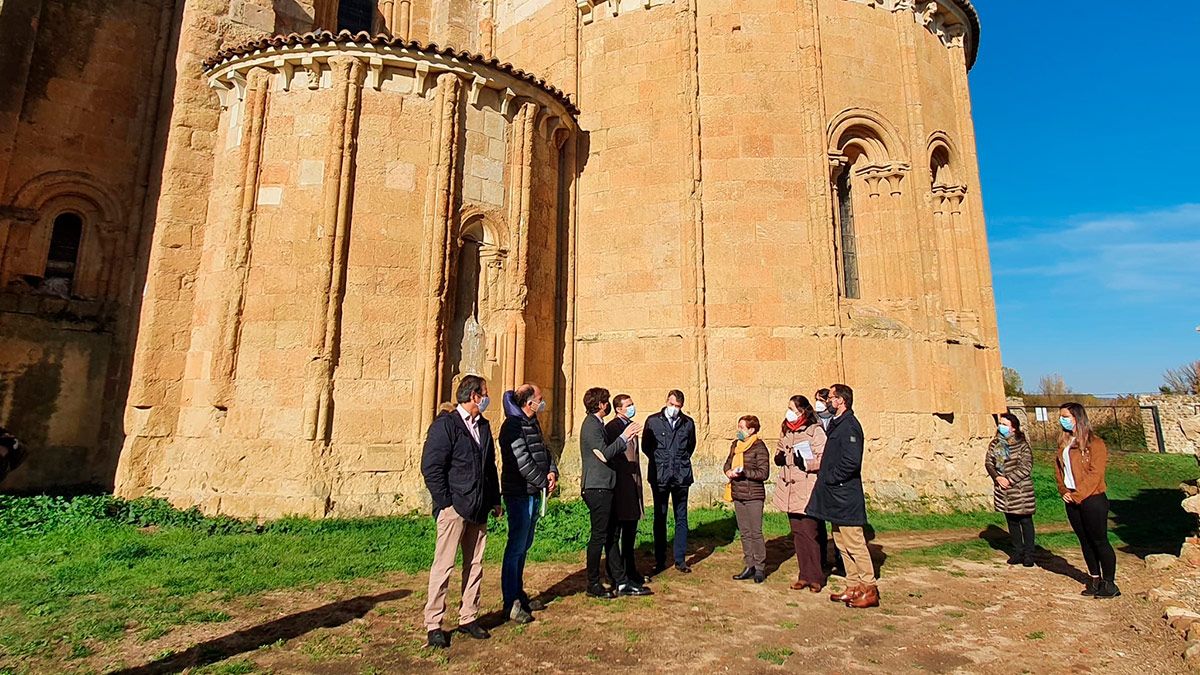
{"x":380,"y":221}
{"x":78,"y":106}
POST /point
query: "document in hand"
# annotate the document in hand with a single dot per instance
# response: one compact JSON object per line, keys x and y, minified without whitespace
{"x":804,"y":450}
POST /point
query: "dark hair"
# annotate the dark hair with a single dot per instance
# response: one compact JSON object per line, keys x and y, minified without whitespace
{"x":845,"y":393}
{"x":751,"y":422}
{"x":823,"y":395}
{"x":594,"y":399}
{"x":1083,"y":428}
{"x":620,"y":400}
{"x":470,"y":386}
{"x":523,"y":394}
{"x":1016,"y":425}
{"x":807,"y":414}
{"x":678,"y":396}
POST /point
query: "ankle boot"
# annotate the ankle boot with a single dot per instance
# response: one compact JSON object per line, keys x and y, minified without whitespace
{"x":744,"y":574}
{"x":1093,"y":585}
{"x":760,"y":575}
{"x":799,"y":585}
{"x":1107,"y":589}
{"x":869,"y":597}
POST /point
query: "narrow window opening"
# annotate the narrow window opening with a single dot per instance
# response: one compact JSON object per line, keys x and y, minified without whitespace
{"x":63,"y":257}
{"x":845,"y":213}
{"x":356,"y":15}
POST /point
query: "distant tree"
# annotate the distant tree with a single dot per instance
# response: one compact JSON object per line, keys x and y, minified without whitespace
{"x":1013,"y":385}
{"x":1053,"y":385}
{"x":1182,"y":380}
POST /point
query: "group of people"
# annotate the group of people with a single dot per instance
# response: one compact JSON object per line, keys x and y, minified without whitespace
{"x":1079,"y":468}
{"x":819,"y":457}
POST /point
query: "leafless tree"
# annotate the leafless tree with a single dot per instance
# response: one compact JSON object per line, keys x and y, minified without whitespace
{"x":1182,"y":380}
{"x":1053,"y":385}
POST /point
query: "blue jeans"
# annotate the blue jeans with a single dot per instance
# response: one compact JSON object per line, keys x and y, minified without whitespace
{"x":522,"y":519}
{"x":678,"y":496}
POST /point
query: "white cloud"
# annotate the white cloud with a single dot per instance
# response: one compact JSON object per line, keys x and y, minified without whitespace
{"x":1124,"y":253}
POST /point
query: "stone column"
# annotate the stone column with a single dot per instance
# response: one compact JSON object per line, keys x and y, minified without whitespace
{"x":241,"y":234}
{"x":334,"y":236}
{"x":439,"y":218}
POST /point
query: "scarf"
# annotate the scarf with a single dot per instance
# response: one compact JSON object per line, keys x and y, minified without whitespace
{"x":795,"y":426}
{"x":739,"y":458}
{"x":1000,"y":453}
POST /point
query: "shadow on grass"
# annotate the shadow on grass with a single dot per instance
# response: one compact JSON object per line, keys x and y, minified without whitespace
{"x":248,"y":639}
{"x":1000,"y":540}
{"x":1152,"y":521}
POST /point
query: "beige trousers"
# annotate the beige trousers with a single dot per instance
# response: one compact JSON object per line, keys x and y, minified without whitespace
{"x":852,"y":543}
{"x":452,"y":532}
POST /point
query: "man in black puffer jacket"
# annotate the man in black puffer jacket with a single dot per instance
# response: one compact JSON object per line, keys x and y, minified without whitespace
{"x":528,"y":474}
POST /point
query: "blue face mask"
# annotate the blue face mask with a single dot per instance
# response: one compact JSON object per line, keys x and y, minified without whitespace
{"x":631,"y":411}
{"x":483,"y":404}
{"x":741,"y":435}
{"x":1067,"y":423}
{"x":1004,"y":430}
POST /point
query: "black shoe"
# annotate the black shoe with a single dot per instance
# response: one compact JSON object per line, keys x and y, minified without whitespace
{"x":683,"y":568}
{"x":760,"y":576}
{"x":1093,"y":585}
{"x":1107,"y":589}
{"x":1014,"y":559}
{"x":632,"y":590}
{"x":535,"y":606}
{"x":475,"y":630}
{"x":745,"y":574}
{"x":438,"y":639}
{"x":599,"y":591}
{"x":1027,"y":560}
{"x":659,"y":568}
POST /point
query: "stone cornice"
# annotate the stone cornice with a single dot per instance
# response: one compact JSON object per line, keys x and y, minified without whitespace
{"x":954,"y":22}
{"x":291,"y":53}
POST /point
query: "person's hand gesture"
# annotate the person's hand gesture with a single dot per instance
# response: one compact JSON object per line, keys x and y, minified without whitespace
{"x":1003,"y":482}
{"x":551,"y":481}
{"x":632,"y":430}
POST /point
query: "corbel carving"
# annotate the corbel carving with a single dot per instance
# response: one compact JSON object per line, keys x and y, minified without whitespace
{"x":586,"y":8}
{"x":877,"y":175}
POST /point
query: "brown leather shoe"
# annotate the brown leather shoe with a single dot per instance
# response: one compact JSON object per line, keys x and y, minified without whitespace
{"x":799,"y":585}
{"x":815,"y":587}
{"x":847,"y":595}
{"x":868,"y":597}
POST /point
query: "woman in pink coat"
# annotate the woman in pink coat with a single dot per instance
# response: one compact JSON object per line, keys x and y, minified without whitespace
{"x":801,"y":442}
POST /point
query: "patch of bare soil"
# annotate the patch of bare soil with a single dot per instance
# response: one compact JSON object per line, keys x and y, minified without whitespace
{"x":958,"y":617}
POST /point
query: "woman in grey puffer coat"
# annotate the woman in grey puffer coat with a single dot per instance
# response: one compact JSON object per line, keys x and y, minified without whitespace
{"x":1009,"y":462}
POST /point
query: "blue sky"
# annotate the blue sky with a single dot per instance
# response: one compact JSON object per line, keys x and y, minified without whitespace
{"x":1087,"y":117}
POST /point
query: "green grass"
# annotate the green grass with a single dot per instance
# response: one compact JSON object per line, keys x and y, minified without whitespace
{"x":81,"y":572}
{"x":777,"y":656}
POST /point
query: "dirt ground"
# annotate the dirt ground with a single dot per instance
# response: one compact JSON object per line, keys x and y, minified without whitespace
{"x":957,"y":616}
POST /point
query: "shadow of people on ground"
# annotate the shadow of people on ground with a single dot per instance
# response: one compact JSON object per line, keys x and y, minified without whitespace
{"x":249,"y":639}
{"x":705,"y":539}
{"x":1152,"y":521}
{"x":878,"y":555}
{"x":1000,"y":540}
{"x":779,"y":550}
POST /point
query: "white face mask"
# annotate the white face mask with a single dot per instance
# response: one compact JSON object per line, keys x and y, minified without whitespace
{"x":792,"y":416}
{"x":672,"y":411}
{"x":819,"y":407}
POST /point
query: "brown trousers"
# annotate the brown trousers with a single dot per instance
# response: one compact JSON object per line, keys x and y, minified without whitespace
{"x":807,"y":543}
{"x":749,"y":522}
{"x":852,"y":543}
{"x":452,"y":532}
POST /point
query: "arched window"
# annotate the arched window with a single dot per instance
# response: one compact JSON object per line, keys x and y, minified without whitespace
{"x":356,"y":15}
{"x":845,"y":233}
{"x":63,"y":256}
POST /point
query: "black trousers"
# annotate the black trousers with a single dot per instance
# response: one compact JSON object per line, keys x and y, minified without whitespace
{"x":1090,"y":522}
{"x":603,"y":539}
{"x":1020,"y":528}
{"x":677,"y":496}
{"x":627,"y":543}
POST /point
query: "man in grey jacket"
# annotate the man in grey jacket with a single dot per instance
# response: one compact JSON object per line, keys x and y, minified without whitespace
{"x":599,"y":479}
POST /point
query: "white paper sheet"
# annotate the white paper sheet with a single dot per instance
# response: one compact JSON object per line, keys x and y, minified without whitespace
{"x":804,"y":449}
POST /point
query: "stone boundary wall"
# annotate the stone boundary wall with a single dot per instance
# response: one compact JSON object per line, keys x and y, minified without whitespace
{"x":1179,"y":416}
